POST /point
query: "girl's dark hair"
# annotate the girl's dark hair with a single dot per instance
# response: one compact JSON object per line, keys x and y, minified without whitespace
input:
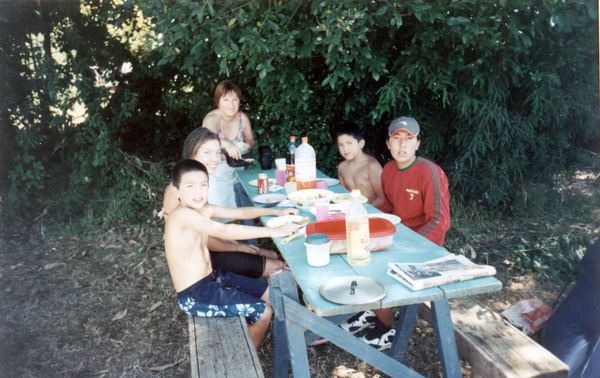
{"x":195,"y":140}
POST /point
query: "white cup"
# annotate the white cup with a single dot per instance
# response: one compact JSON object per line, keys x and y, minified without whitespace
{"x":317,"y":249}
{"x":280,"y":164}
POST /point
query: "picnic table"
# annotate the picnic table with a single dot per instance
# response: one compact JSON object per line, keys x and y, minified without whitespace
{"x":323,"y":317}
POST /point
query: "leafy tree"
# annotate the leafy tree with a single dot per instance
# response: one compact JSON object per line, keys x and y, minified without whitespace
{"x":505,"y":91}
{"x":502,"y":89}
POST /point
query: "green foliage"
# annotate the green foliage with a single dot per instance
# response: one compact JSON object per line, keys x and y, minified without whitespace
{"x":503,"y":90}
{"x":506,"y":92}
{"x":555,"y":257}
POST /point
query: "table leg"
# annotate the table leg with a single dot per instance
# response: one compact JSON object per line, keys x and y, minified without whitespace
{"x":406,"y":323}
{"x":288,"y":335}
{"x":446,"y":342}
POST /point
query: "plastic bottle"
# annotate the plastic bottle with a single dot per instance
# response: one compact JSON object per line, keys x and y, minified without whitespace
{"x":306,"y":166}
{"x":290,"y":160}
{"x":358,"y":246}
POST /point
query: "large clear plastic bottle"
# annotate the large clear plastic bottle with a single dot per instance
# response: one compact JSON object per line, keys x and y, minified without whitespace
{"x":358,"y":245}
{"x":290,"y":160}
{"x":306,"y":166}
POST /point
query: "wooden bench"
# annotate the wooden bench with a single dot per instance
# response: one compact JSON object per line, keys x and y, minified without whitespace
{"x":222,"y":347}
{"x":494,"y":347}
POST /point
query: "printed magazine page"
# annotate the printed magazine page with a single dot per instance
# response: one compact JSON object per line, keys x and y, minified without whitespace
{"x":449,"y":269}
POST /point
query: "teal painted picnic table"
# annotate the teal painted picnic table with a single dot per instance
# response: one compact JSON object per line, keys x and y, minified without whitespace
{"x":321,"y":317}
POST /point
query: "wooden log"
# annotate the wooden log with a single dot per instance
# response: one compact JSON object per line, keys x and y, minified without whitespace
{"x":494,"y":347}
{"x":222,"y":347}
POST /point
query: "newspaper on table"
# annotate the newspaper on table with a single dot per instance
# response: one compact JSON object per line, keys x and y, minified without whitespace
{"x":449,"y":269}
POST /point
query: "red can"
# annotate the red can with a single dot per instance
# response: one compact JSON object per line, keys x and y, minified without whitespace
{"x":263,"y":183}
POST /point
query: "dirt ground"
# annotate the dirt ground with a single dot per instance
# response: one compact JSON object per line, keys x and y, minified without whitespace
{"x":101,"y":304}
{"x":71,"y":309}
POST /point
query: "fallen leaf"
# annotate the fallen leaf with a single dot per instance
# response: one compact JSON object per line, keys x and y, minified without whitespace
{"x":141,"y":270}
{"x":155,"y":306}
{"x":132,"y":242}
{"x":462,"y":230}
{"x":473,"y":254}
{"x":120,"y":315}
{"x":113,"y":246}
{"x":54,"y":265}
{"x":164,"y":367}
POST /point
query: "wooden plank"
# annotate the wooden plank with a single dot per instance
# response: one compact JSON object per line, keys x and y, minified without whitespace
{"x":494,"y":347}
{"x":222,"y":347}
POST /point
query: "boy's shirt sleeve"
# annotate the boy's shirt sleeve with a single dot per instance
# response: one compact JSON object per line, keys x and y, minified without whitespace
{"x":436,"y":205}
{"x":387,"y":206}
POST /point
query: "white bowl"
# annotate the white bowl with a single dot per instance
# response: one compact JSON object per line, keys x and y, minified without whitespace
{"x":305,"y":199}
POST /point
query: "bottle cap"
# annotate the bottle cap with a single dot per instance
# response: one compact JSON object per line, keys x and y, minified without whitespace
{"x":355,"y":193}
{"x":304,"y":139}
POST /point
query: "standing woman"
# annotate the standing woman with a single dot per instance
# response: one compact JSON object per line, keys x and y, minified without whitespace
{"x":235,"y":132}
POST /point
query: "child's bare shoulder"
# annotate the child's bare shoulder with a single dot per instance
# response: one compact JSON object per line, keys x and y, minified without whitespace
{"x":343,"y":165}
{"x":373,"y":162}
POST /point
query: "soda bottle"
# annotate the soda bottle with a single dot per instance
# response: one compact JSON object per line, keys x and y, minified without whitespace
{"x":290,"y":160}
{"x":306,"y":166}
{"x":358,"y":245}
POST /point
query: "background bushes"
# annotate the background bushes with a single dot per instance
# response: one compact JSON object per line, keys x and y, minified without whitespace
{"x":506,"y":92}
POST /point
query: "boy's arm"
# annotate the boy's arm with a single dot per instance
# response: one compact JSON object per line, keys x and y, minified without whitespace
{"x":375,"y":180}
{"x":188,"y":218}
{"x":249,"y":212}
{"x":341,"y":176}
{"x":387,"y":206}
{"x":436,"y":205}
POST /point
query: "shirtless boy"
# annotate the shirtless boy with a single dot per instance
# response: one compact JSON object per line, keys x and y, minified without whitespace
{"x":202,"y":291}
{"x":358,"y":170}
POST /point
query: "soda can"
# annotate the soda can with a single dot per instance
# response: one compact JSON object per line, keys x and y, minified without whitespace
{"x":263,"y":183}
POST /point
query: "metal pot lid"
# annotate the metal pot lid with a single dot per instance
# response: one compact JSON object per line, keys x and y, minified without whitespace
{"x":353,"y":290}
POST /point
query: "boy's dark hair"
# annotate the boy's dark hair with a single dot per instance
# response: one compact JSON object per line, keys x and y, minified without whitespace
{"x":348,"y":128}
{"x":185,"y":166}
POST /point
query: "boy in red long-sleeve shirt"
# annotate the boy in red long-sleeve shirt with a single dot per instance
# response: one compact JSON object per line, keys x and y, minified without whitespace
{"x":416,"y":190}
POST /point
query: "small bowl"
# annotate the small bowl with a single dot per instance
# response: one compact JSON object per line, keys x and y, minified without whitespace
{"x":305,"y":199}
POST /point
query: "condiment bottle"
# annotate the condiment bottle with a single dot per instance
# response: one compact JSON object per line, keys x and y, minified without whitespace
{"x":358,"y":245}
{"x":306,"y":166}
{"x":290,"y":160}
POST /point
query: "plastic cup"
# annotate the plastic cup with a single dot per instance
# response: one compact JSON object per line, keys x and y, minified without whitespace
{"x":290,"y":187}
{"x":280,"y":175}
{"x":322,"y":210}
{"x":317,"y":249}
{"x":321,"y":184}
{"x":280,"y":164}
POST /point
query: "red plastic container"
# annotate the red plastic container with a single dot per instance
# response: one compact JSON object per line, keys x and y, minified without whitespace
{"x":381,"y":232}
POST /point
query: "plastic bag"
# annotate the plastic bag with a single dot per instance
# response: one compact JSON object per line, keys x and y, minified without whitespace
{"x":530,"y":315}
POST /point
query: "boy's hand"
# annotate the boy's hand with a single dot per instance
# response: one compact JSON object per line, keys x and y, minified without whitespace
{"x":285,"y":230}
{"x":287,"y":211}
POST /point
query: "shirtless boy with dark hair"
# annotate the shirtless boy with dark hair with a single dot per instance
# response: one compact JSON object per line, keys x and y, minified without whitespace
{"x":358,"y":170}
{"x":202,"y":291}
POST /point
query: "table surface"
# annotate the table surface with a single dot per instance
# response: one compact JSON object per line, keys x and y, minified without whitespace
{"x":407,"y":246}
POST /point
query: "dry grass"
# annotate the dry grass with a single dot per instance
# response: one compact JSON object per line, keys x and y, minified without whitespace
{"x":101,"y":304}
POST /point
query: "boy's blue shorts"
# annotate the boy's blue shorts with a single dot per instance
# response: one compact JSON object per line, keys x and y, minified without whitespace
{"x":224,"y":294}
